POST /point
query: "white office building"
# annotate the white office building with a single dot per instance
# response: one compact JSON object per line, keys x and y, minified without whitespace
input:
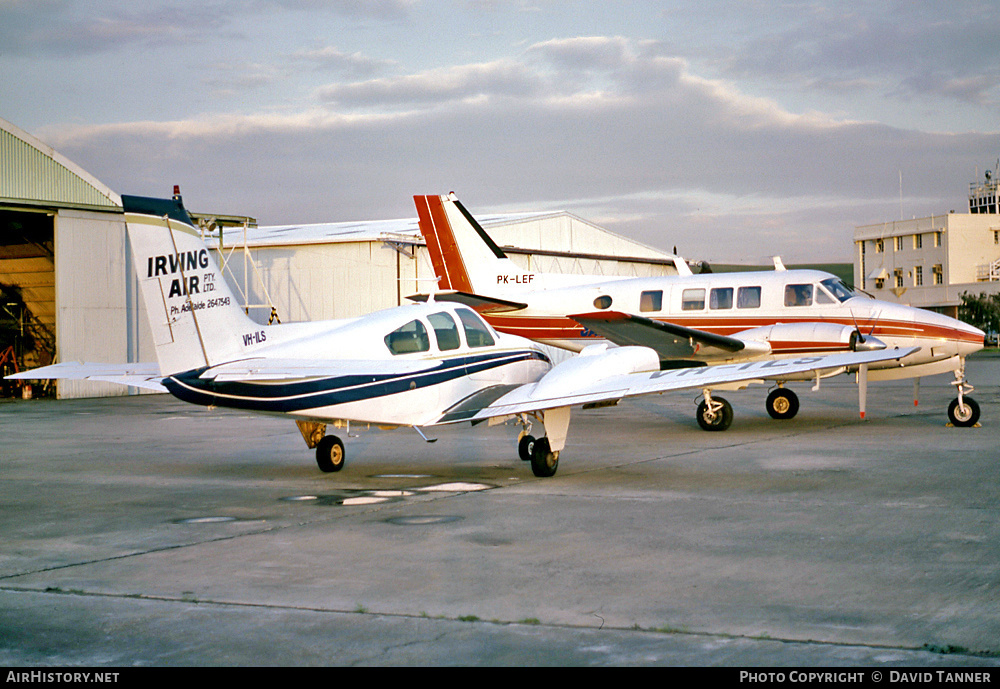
{"x":930,"y":262}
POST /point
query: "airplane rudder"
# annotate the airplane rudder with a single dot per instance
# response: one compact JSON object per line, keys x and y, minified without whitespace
{"x":192,"y":313}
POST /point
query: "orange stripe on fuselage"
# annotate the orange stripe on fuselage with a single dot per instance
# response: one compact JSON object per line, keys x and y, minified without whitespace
{"x":440,"y":237}
{"x":555,"y":327}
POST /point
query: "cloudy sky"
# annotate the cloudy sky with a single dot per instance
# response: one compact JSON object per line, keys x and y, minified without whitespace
{"x":732,"y":130}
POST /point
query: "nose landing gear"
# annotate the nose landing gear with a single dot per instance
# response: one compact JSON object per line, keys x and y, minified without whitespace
{"x":963,"y":411}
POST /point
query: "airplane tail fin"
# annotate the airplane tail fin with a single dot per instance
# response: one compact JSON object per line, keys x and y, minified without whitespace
{"x":194,"y":318}
{"x":464,"y":257}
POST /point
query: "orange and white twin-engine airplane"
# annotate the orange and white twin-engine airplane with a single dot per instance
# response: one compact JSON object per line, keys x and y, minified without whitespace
{"x":692,"y":321}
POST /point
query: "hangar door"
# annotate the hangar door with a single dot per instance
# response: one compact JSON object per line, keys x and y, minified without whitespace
{"x":27,"y":289}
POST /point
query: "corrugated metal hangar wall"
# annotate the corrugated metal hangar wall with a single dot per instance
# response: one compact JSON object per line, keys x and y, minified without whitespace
{"x":342,"y":270}
{"x":63,"y":246}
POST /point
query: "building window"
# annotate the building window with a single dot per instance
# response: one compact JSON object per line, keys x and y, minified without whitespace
{"x":918,"y":276}
{"x":937,"y":238}
{"x":879,"y":246}
{"x":898,"y":274}
{"x":879,"y":283}
{"x":898,"y":241}
{"x":918,"y":241}
{"x":996,"y":236}
{"x":938,"y":272}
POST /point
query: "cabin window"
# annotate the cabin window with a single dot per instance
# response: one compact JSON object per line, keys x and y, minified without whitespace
{"x":822,"y":297}
{"x":692,"y":300}
{"x":748,"y":298}
{"x":798,"y":295}
{"x":651,"y":301}
{"x":477,"y":334}
{"x":408,"y":339}
{"x":445,"y":331}
{"x":838,"y":289}
{"x":721,"y":298}
{"x":602,"y":302}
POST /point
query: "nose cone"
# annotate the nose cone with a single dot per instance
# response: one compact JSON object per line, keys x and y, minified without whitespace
{"x":936,"y":333}
{"x":967,"y":338}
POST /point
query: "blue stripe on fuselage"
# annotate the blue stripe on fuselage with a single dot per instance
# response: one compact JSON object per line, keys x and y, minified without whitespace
{"x":310,"y":394}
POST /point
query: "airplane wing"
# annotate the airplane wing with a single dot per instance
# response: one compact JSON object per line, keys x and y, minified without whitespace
{"x":666,"y":339}
{"x":140,"y":375}
{"x":579,"y":381}
{"x":477,"y":302}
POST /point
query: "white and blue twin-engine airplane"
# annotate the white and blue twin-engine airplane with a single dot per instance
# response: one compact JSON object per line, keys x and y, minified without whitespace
{"x":414,"y":365}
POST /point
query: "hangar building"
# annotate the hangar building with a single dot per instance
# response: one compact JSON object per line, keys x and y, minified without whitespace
{"x":64,"y":250}
{"x":340,"y":270}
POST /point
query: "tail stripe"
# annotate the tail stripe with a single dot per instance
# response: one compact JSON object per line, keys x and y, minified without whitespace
{"x":442,"y":244}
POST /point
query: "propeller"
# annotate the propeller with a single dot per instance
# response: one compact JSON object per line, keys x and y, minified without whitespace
{"x":860,"y":343}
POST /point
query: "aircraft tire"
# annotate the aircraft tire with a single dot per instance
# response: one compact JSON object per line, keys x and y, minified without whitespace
{"x":782,"y":403}
{"x":544,"y":462}
{"x":722,"y":420}
{"x":330,"y":454}
{"x":963,"y":419}
{"x":525,"y":447}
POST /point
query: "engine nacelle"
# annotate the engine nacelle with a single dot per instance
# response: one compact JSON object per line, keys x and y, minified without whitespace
{"x":595,"y":363}
{"x":793,"y":338}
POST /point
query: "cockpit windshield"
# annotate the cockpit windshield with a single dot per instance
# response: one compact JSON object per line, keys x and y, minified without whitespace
{"x":838,"y":289}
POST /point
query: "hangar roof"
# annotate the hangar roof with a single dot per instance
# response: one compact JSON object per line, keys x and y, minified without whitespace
{"x":34,"y":174}
{"x":403,"y":229}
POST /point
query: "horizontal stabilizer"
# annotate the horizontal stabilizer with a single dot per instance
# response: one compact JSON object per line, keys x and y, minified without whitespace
{"x":479,"y":303}
{"x":140,"y":375}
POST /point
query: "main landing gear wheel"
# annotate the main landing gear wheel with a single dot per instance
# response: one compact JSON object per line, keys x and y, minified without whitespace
{"x":782,"y":403}
{"x":330,"y":454}
{"x":963,"y":415}
{"x":718,"y":417}
{"x":544,"y":462}
{"x":526,"y":447}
